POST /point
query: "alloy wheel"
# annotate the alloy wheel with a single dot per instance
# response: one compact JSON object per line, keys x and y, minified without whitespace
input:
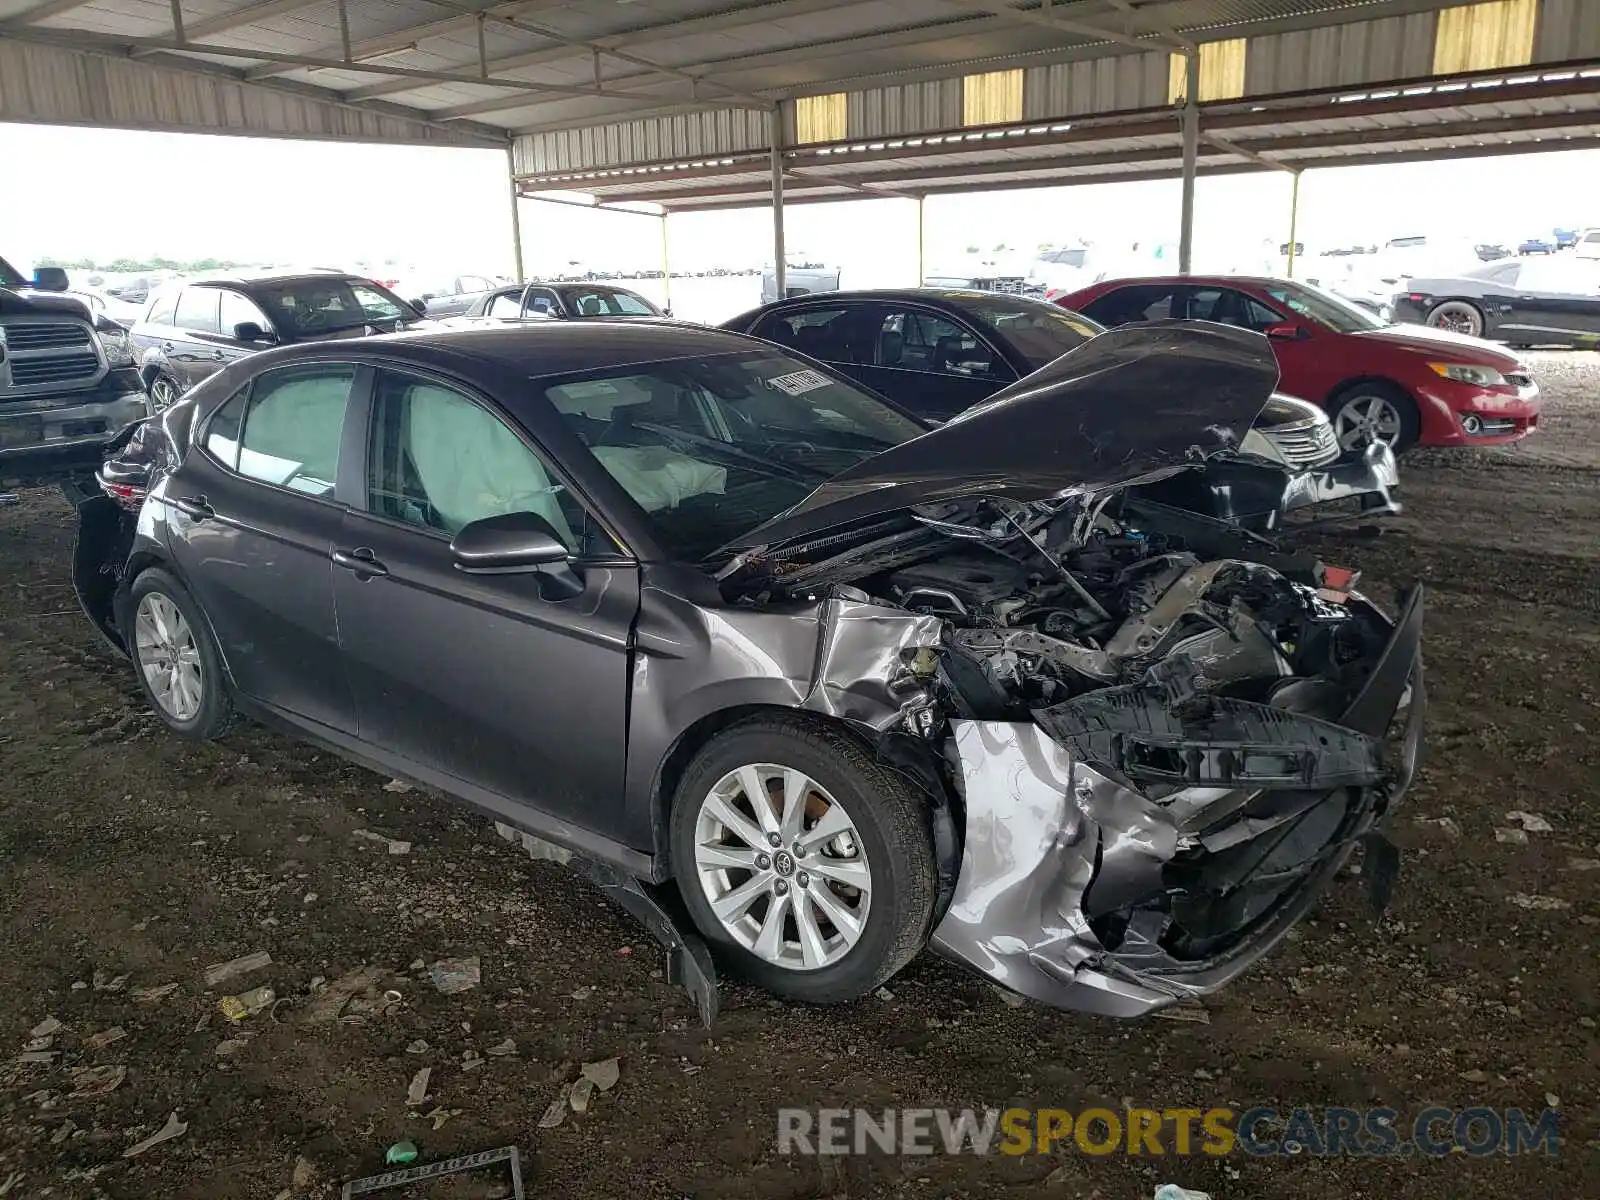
{"x":1457,"y":318}
{"x":782,"y":866}
{"x":164,"y":392}
{"x":1363,"y":420}
{"x":168,"y":657}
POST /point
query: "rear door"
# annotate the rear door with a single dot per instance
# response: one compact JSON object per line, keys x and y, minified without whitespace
{"x":253,"y":515}
{"x":1135,"y":302}
{"x":191,"y":349}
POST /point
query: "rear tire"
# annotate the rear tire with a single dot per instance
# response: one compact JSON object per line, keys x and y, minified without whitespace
{"x":175,"y":659}
{"x":845,"y":897}
{"x":1458,"y":316}
{"x":1375,"y":411}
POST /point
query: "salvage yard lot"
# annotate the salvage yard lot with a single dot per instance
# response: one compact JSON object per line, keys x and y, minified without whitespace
{"x":126,"y":852}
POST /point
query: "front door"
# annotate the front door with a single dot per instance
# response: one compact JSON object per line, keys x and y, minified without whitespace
{"x":1553,"y":300}
{"x":516,"y":683}
{"x":253,"y":517}
{"x":929,"y":362}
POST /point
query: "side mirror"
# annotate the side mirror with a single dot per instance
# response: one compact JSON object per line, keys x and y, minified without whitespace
{"x":50,"y":279}
{"x":519,"y":541}
{"x":249,"y":331}
{"x":420,"y":306}
{"x":1284,"y":331}
{"x":666,"y":312}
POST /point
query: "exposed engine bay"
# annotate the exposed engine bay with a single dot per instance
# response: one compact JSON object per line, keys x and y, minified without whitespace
{"x":1181,"y":728}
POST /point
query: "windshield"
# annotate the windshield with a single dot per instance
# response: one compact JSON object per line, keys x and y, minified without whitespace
{"x":606,"y":302}
{"x":1323,"y":308}
{"x":712,"y":447}
{"x":1040,"y":332}
{"x":310,"y":306}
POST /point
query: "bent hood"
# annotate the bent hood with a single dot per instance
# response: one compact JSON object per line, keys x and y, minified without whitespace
{"x":1128,"y":403}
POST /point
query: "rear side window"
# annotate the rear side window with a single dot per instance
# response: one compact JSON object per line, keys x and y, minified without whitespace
{"x":292,"y":427}
{"x":820,"y":332}
{"x":222,"y":431}
{"x":1126,"y":305}
{"x":197,"y":309}
{"x":508,"y":304}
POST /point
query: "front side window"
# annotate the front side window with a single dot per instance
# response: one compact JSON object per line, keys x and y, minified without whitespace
{"x":913,"y":340}
{"x":607,"y":302}
{"x":712,"y":447}
{"x":197,"y":310}
{"x":293,"y":426}
{"x":542,"y":302}
{"x":325,"y":305}
{"x":1324,"y":309}
{"x":239,"y":309}
{"x":1040,"y":332}
{"x":440,"y":461}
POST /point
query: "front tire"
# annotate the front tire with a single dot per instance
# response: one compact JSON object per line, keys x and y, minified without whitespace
{"x":1375,"y":411}
{"x":806,"y":863}
{"x":164,"y":392}
{"x":175,"y":659}
{"x":1458,"y":316}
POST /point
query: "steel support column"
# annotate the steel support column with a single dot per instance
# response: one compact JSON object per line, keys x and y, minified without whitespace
{"x":778,"y":257}
{"x":666,"y":265}
{"x":1294,"y":219}
{"x":1191,"y":155}
{"x":922,"y":269}
{"x":516,"y":216}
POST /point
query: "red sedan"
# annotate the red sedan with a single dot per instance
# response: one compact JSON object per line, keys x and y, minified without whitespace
{"x":1401,"y":384}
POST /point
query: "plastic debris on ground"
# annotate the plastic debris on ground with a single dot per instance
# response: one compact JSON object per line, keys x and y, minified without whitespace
{"x":1530,"y":822}
{"x":173,"y":1128}
{"x":557,"y":1110}
{"x":395,"y":845}
{"x":327,"y":1004}
{"x":232,"y":1046}
{"x":502,"y":1048}
{"x":1446,"y":825}
{"x":1514,"y":837}
{"x":603,"y":1073}
{"x":1185,"y":1010}
{"x":96,"y":1081}
{"x":452,"y":975}
{"x":246,"y":1004}
{"x":440,"y":1116}
{"x":105,"y":981}
{"x":99,"y":1041}
{"x":1009,"y":998}
{"x":1539,"y":903}
{"x":1171,"y":1191}
{"x":399,"y":786}
{"x":582,"y":1092}
{"x":46,"y":1028}
{"x":149,"y":995}
{"x":401,"y":1152}
{"x":222,"y":972}
{"x":417,"y":1093}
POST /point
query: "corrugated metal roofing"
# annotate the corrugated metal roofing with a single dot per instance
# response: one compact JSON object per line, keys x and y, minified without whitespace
{"x":593,"y":85}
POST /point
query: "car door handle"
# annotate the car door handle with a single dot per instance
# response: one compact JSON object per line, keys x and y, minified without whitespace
{"x":361,"y":560}
{"x":195,"y":506}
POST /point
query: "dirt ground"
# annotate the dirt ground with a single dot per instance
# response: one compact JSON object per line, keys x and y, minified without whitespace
{"x":131,"y":860}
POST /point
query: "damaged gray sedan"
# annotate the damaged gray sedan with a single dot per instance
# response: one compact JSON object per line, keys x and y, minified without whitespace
{"x":765,"y":649}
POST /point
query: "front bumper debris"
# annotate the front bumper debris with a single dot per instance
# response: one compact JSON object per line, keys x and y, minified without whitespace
{"x":1055,"y":840}
{"x":1372,"y":476}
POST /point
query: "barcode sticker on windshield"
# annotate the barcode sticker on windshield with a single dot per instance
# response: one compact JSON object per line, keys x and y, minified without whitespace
{"x":798,"y":382}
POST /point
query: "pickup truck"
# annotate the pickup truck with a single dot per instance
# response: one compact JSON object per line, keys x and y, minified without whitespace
{"x":68,"y":384}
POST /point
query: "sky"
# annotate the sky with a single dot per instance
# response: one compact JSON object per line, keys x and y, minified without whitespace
{"x":73,"y":193}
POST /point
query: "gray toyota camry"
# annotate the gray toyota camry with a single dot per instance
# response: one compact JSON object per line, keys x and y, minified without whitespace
{"x":706,"y":614}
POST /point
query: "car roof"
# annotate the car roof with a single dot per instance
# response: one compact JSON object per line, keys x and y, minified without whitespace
{"x":246,"y":282}
{"x":923,"y":295}
{"x":1190,"y":280}
{"x":540,"y":348}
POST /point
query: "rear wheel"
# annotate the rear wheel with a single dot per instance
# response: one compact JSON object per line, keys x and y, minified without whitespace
{"x":1457,"y":316}
{"x":1370,"y":412}
{"x":175,"y":658}
{"x":807,"y":863}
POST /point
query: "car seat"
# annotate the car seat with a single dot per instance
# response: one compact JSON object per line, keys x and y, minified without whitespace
{"x":891,"y":348}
